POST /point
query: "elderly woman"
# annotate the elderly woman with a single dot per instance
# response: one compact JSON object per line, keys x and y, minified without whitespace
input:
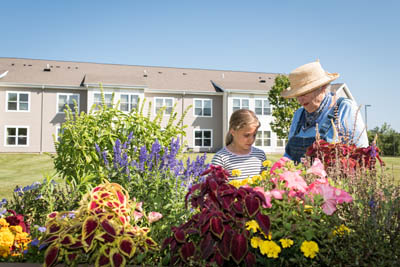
{"x":310,"y":85}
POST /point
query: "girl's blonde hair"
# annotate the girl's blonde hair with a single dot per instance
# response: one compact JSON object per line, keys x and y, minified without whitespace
{"x":239,"y":119}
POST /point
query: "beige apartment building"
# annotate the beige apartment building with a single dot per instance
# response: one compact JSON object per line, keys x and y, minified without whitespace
{"x":33,"y":95}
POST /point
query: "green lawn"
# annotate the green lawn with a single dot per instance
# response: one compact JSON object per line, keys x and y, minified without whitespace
{"x":24,"y":169}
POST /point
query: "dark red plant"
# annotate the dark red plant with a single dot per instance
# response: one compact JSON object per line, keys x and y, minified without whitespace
{"x":348,"y":157}
{"x":17,"y":219}
{"x":217,"y":233}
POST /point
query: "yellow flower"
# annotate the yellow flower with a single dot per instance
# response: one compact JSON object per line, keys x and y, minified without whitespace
{"x":6,"y":238}
{"x":253,"y":225}
{"x":269,"y":236}
{"x":16,"y":229}
{"x":309,"y":248}
{"x":4,"y":251}
{"x":267,"y":163}
{"x":244,"y":182}
{"x":255,"y":242}
{"x":255,"y":179}
{"x":264,"y":174}
{"x":341,"y":230}
{"x":236,"y":172}
{"x":286,"y":243}
{"x":270,"y":248}
{"x":235,"y":183}
{"x":3,"y":223}
{"x":308,"y":208}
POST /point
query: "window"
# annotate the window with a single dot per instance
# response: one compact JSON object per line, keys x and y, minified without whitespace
{"x":98,"y":102}
{"x":203,"y":107}
{"x":67,"y":100}
{"x":128,"y":102}
{"x":17,"y":101}
{"x":164,"y":102}
{"x":202,"y":138}
{"x":280,"y":142}
{"x":16,"y":136}
{"x":263,"y":138}
{"x":239,"y":103}
{"x":262,"y":107}
{"x":59,"y":131}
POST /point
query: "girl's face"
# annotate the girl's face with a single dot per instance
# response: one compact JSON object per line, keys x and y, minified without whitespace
{"x":244,"y":138}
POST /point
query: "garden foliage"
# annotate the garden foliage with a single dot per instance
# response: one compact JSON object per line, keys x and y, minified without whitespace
{"x":76,"y":156}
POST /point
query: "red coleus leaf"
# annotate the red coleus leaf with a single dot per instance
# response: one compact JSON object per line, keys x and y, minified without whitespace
{"x":187,"y":250}
{"x":108,"y":227}
{"x":239,"y":247}
{"x":264,"y":222}
{"x":77,"y":244}
{"x":150,"y":242}
{"x":213,"y":184}
{"x":250,"y":260}
{"x":50,"y":257}
{"x":107,"y":238}
{"x":224,"y":246}
{"x":117,"y":259}
{"x":53,"y":228}
{"x":127,"y":246}
{"x":217,"y":228}
{"x":207,"y":246}
{"x":227,"y":200}
{"x":102,"y":260}
{"x":121,"y":197}
{"x":50,"y":239}
{"x":89,"y":226}
{"x":238,"y":207}
{"x":67,"y":240}
{"x":179,"y":235}
{"x":52,"y":215}
{"x":252,"y":205}
{"x":205,"y":227}
{"x":89,"y":242}
{"x":93,"y":205}
{"x":71,"y":257}
{"x":219,"y":259}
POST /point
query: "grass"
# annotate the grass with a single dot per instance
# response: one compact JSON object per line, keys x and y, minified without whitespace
{"x":24,"y":169}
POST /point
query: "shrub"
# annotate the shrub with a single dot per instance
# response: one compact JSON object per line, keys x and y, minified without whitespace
{"x":76,"y":156}
{"x":99,"y":232}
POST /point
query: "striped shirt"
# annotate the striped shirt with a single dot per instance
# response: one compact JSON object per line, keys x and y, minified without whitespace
{"x":249,"y":165}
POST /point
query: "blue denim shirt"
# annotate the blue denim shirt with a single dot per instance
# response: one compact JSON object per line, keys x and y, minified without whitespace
{"x":351,"y":124}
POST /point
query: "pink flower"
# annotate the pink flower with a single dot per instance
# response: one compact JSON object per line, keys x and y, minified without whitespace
{"x":294,"y":180}
{"x":139,"y":206}
{"x":342,"y":196}
{"x":328,"y":193}
{"x":279,"y":164}
{"x":317,"y":168}
{"x":277,"y":194}
{"x":154,"y":216}
{"x":267,"y":196}
{"x":137,"y":215}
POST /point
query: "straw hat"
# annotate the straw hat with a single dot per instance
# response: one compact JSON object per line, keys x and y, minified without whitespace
{"x":307,"y":78}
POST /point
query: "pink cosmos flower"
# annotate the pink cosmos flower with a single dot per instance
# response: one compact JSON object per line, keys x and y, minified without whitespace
{"x":154,"y":216}
{"x":279,"y":164}
{"x":317,"y":168}
{"x":139,"y":206}
{"x":294,"y":180}
{"x":137,"y":215}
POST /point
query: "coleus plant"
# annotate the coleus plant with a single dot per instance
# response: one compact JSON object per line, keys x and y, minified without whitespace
{"x":99,"y":232}
{"x":347,"y":156}
{"x":217,"y":232}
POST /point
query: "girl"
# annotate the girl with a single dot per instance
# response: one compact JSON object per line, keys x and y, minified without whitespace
{"x":239,"y":153}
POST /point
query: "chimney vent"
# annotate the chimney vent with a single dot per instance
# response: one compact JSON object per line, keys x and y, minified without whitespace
{"x":47,"y":68}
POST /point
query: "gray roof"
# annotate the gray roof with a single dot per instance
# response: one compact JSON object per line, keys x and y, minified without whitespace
{"x":65,"y":73}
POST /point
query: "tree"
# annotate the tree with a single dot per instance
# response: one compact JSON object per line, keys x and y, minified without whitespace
{"x":283,"y":109}
{"x":388,"y":139}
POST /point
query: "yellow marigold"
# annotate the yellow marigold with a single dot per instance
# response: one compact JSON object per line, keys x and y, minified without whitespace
{"x":236,"y":172}
{"x":244,"y":182}
{"x":264,"y":174}
{"x":269,"y":236}
{"x":16,"y":229}
{"x":270,"y":248}
{"x":252,"y":225}
{"x":255,"y":242}
{"x":267,"y":163}
{"x":255,"y":179}
{"x":3,"y":223}
{"x":6,"y":238}
{"x":309,"y":249}
{"x":286,"y":243}
{"x":4,"y":251}
{"x":235,"y":183}
{"x":341,"y":230}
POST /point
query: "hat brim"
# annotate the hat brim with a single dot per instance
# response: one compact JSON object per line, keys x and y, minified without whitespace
{"x":295,"y":92}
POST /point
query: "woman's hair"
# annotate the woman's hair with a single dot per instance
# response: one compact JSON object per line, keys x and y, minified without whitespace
{"x":239,"y":119}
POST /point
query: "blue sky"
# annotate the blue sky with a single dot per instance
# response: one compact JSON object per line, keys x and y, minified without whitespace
{"x":358,"y":39}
